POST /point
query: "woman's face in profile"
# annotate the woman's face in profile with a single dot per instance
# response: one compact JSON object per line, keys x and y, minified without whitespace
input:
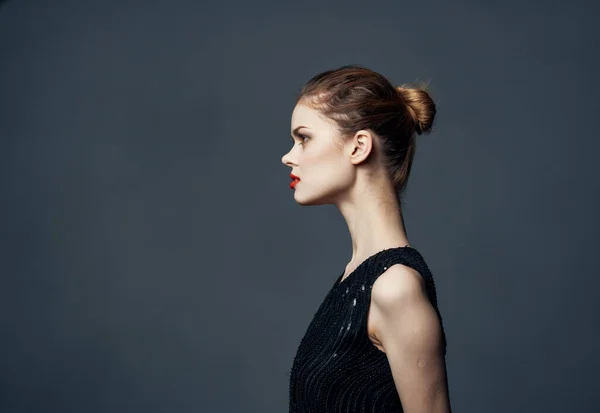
{"x":317,"y":158}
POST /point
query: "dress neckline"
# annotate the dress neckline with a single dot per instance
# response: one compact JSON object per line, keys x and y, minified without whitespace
{"x":339,"y":280}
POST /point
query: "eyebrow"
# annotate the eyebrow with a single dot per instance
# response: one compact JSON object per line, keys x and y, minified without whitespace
{"x":295,"y":131}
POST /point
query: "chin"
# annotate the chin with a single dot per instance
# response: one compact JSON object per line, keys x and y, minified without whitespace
{"x":306,"y":201}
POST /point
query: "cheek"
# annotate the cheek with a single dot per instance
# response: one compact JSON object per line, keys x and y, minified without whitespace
{"x":317,"y":159}
{"x":327,"y":168}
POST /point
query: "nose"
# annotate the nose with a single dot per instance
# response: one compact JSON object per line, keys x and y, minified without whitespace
{"x":285,"y":159}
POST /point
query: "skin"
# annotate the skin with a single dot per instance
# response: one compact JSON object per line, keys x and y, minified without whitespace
{"x":401,"y":320}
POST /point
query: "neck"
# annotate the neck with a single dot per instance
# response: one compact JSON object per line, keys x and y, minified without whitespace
{"x":374,"y":218}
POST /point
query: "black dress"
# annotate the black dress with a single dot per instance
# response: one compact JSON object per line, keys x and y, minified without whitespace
{"x":337,"y":369}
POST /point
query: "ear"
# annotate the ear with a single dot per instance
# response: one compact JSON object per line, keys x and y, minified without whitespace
{"x":360,"y":146}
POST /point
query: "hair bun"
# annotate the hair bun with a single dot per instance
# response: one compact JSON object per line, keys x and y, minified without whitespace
{"x":420,"y":106}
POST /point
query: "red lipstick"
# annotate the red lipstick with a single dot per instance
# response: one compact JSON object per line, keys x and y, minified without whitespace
{"x":295,"y":180}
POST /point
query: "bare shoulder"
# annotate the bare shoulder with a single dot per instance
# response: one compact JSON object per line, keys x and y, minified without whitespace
{"x":409,"y":331}
{"x":396,"y":286}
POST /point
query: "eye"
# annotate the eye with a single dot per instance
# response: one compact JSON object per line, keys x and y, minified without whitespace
{"x":303,"y":137}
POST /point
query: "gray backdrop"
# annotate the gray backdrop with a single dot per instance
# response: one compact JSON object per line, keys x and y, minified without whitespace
{"x":153,"y":258}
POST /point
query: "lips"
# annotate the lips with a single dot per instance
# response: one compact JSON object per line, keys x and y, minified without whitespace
{"x":295,"y":180}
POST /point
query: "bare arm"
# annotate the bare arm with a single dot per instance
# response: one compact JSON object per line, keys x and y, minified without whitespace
{"x":409,"y":330}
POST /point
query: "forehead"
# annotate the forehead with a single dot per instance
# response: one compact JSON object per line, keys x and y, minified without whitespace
{"x":309,"y":117}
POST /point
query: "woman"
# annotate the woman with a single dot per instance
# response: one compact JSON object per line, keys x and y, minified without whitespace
{"x":376,"y":344}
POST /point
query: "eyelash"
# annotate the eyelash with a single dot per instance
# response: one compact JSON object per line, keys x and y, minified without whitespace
{"x":302,"y":137}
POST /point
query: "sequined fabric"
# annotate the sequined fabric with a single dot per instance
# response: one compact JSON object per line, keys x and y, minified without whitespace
{"x":337,"y":369}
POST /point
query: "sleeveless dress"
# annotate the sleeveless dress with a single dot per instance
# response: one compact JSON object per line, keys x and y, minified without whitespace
{"x":337,"y":369}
